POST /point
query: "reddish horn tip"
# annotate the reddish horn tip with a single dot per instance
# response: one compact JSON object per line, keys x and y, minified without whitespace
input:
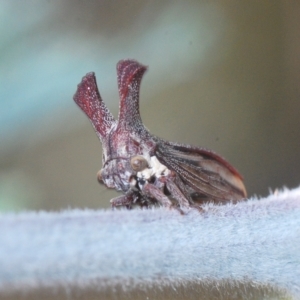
{"x":88,"y":98}
{"x":129,"y":72}
{"x":85,"y":88}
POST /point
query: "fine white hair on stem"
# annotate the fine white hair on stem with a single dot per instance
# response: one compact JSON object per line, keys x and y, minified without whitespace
{"x":257,"y":240}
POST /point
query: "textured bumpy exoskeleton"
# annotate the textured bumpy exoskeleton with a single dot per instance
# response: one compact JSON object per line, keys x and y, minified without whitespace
{"x":147,"y":169}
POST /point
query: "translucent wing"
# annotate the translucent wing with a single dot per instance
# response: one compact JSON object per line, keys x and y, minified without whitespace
{"x":203,"y":171}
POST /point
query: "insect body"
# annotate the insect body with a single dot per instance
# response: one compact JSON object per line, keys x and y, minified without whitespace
{"x":148,"y":169}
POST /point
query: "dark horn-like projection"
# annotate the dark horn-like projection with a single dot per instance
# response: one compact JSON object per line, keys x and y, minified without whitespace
{"x":88,"y":98}
{"x":130,"y":74}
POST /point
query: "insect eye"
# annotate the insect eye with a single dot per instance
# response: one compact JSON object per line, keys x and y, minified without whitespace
{"x":99,"y":176}
{"x":138,"y":163}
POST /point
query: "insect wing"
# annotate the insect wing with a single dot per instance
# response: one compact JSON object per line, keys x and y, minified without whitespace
{"x":203,"y":171}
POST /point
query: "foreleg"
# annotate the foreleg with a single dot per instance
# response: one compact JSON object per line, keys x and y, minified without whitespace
{"x":125,"y":200}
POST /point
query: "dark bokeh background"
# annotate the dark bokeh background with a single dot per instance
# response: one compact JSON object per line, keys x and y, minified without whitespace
{"x":224,"y":75}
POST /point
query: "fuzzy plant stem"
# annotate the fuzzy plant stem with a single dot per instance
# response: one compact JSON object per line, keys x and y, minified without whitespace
{"x":257,"y":240}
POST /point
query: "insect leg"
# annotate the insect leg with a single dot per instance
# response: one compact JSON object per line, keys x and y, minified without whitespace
{"x":177,"y":193}
{"x":124,"y":200}
{"x":154,"y":192}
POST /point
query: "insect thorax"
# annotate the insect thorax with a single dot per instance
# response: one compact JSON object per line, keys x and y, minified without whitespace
{"x":119,"y":174}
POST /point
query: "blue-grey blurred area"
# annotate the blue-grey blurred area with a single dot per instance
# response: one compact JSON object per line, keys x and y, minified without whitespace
{"x":223,"y":75}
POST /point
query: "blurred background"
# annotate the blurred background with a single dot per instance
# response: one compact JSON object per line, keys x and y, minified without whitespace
{"x":224,"y":75}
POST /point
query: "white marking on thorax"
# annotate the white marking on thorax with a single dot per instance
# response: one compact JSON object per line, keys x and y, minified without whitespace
{"x":155,"y":169}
